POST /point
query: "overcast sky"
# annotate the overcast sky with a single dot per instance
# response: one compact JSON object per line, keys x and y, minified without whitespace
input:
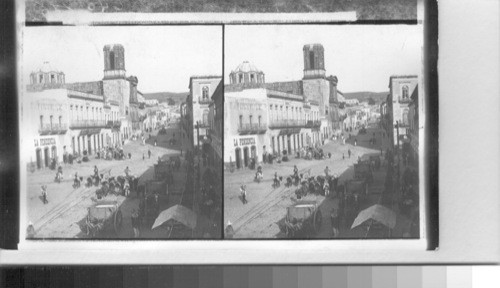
{"x":363,"y":57}
{"x":163,"y":58}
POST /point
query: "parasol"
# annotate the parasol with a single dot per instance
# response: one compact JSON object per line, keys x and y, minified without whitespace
{"x":378,"y":213}
{"x":178,"y":213}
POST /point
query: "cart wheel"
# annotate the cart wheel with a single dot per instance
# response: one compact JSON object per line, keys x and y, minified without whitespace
{"x":118,"y":221}
{"x":318,"y":219}
{"x":288,"y":231}
{"x":87,"y":225}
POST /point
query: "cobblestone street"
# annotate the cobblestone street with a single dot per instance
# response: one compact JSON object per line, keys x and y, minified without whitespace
{"x":64,"y":215}
{"x":266,"y":208}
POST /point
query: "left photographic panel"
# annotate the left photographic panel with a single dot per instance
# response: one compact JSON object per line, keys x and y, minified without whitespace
{"x":121,"y":132}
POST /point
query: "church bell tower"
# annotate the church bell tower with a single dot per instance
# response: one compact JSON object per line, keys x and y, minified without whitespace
{"x":114,"y":61}
{"x":314,"y":61}
{"x":116,"y":87}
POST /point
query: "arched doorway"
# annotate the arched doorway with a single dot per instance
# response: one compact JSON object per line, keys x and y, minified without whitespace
{"x":46,"y":156}
{"x":79,"y":149}
{"x":279,"y":147}
{"x":253,"y":152}
{"x":54,"y":152}
{"x":89,"y":144}
{"x":39,"y":158}
{"x":289,"y":144}
{"x":237,"y":153}
{"x":245,"y":156}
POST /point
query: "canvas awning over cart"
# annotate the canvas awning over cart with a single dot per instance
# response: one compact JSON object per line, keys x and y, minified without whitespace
{"x":178,"y":213}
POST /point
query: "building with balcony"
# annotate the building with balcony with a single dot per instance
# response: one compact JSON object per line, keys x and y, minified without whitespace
{"x":201,"y":91}
{"x":278,"y":118}
{"x":213,"y":146}
{"x":402,"y":88}
{"x":245,"y":116}
{"x":415,"y":109}
{"x":61,"y":118}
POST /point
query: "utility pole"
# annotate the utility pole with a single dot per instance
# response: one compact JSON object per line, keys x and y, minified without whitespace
{"x":399,"y":154}
{"x":198,"y":151}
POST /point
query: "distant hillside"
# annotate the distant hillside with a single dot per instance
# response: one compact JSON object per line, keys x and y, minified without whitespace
{"x":164,"y":96}
{"x":379,"y":97}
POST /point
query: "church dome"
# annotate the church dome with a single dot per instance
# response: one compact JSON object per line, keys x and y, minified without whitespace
{"x":246,"y":67}
{"x":246,"y":73}
{"x":47,"y":68}
{"x":46,"y":74}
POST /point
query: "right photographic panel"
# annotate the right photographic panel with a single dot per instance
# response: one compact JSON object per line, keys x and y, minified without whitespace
{"x":321,"y":132}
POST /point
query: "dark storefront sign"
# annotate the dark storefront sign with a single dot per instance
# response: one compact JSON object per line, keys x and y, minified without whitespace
{"x":247,"y":141}
{"x":45,"y":142}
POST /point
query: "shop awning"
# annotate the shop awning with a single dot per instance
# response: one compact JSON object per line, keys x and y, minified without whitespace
{"x":89,"y":131}
{"x":289,"y":131}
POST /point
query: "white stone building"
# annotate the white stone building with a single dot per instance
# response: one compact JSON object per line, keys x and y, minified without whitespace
{"x":59,"y":118}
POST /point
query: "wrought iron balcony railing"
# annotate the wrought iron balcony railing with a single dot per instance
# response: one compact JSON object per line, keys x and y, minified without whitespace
{"x":113,"y":124}
{"x":46,"y":129}
{"x":313,"y":124}
{"x":287,"y":124}
{"x":202,"y":124}
{"x":404,"y":100}
{"x":87,"y":124}
{"x":204,"y":100}
{"x":251,"y":128}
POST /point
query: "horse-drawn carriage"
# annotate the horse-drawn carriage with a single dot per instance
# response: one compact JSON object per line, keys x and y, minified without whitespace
{"x":103,"y":216}
{"x":302,"y":219}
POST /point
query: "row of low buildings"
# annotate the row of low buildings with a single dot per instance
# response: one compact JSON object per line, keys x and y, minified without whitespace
{"x":76,"y":118}
{"x":400,"y":113}
{"x":279,"y":117}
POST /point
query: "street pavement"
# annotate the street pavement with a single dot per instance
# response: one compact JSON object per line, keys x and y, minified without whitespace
{"x":266,"y":207}
{"x":64,"y":215}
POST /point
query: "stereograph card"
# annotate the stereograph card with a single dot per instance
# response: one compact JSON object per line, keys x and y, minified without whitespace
{"x":206,"y":127}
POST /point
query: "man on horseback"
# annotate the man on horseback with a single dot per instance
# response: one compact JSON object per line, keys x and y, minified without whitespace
{"x":59,"y":174}
{"x":326,"y":188}
{"x":276,"y":181}
{"x":259,"y":175}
